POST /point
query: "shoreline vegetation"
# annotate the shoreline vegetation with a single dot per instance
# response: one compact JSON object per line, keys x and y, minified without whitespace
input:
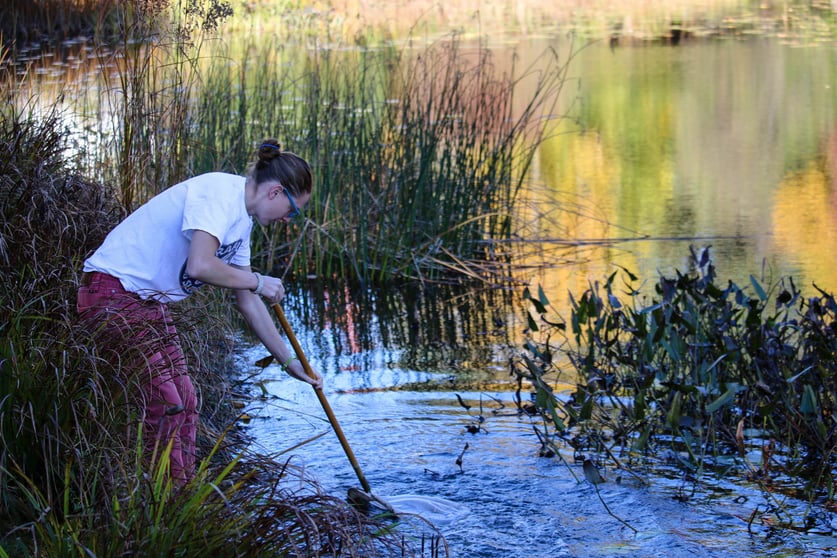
{"x":394,"y":134}
{"x":71,"y":475}
{"x":70,"y":479}
{"x":26,"y":24}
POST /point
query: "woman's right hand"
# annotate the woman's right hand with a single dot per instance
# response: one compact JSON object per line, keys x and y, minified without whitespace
{"x":273,"y":289}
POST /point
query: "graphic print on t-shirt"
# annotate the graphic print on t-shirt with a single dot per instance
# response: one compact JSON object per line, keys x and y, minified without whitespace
{"x":225,"y":253}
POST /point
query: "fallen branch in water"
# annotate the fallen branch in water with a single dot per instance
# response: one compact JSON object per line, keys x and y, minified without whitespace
{"x":591,"y":473}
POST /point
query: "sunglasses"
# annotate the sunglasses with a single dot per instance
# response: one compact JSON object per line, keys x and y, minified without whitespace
{"x":294,"y":208}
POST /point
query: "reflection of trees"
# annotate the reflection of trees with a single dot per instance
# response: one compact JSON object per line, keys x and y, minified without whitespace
{"x":441,"y":327}
{"x":804,"y":217}
{"x":575,"y":213}
{"x":693,"y":143}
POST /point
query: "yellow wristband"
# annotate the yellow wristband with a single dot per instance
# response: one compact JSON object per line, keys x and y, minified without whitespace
{"x":288,"y":362}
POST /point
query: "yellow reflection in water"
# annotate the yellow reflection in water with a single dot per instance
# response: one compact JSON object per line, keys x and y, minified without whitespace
{"x":804,"y":220}
{"x":575,"y":213}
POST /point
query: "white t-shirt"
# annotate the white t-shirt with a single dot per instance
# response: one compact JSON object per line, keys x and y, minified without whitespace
{"x":147,"y":251}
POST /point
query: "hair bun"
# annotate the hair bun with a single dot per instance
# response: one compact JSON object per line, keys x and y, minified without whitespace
{"x":269,"y":149}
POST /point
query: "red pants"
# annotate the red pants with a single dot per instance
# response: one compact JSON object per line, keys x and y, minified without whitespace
{"x":144,"y":329}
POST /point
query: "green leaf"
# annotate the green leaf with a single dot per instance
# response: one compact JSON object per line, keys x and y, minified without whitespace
{"x":759,"y":291}
{"x":556,"y":420}
{"x":539,"y":308}
{"x":651,"y":308}
{"x":559,"y":423}
{"x":533,"y":368}
{"x":587,"y":409}
{"x":639,"y":406}
{"x":809,"y":401}
{"x":671,"y":348}
{"x":796,"y":377}
{"x":673,"y":415}
{"x":533,"y":325}
{"x":725,"y":398}
{"x":643,"y":439}
{"x":542,"y":297}
{"x":541,"y":399}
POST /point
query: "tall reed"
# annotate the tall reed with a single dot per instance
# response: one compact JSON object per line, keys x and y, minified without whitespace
{"x":146,"y":137}
{"x":418,"y":152}
{"x":418,"y":155}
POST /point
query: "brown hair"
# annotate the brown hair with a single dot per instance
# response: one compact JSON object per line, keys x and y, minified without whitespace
{"x":289,"y":169}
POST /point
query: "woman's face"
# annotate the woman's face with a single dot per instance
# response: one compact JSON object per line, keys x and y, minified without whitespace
{"x":278,"y":204}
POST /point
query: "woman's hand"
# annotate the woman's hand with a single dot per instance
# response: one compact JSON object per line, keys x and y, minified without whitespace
{"x":296,"y":370}
{"x":272,"y":288}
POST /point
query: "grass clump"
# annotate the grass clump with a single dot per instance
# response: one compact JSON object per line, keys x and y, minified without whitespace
{"x":739,"y":381}
{"x":73,"y":480}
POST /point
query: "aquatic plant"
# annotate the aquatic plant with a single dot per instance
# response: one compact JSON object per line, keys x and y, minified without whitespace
{"x":150,"y":83}
{"x":418,"y":154}
{"x":716,"y":377}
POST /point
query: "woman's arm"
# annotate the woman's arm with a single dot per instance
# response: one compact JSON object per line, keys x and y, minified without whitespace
{"x":204,"y":266}
{"x":263,"y":325}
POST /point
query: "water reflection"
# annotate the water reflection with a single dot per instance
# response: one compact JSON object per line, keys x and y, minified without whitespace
{"x":411,"y":441}
{"x":804,"y":217}
{"x":722,"y":143}
{"x":440,"y":328}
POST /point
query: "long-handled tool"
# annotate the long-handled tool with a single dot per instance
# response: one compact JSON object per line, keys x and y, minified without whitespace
{"x":354,"y":496}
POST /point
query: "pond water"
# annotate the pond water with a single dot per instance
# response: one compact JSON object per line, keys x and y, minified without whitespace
{"x":725,"y":143}
{"x":400,"y":397}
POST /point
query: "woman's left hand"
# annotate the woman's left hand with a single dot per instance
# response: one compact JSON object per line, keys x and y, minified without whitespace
{"x":296,"y":370}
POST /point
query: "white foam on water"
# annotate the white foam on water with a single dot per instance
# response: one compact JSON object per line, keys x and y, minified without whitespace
{"x":437,"y":511}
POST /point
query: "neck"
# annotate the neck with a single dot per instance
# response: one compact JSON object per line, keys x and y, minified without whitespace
{"x":250,"y":191}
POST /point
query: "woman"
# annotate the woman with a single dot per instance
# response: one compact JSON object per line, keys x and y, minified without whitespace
{"x":194,"y":233}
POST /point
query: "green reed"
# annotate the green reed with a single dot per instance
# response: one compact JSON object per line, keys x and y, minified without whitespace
{"x":418,"y":155}
{"x":149,"y":83}
{"x":418,"y":151}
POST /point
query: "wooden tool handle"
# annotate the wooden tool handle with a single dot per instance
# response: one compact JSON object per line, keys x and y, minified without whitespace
{"x":280,"y":314}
